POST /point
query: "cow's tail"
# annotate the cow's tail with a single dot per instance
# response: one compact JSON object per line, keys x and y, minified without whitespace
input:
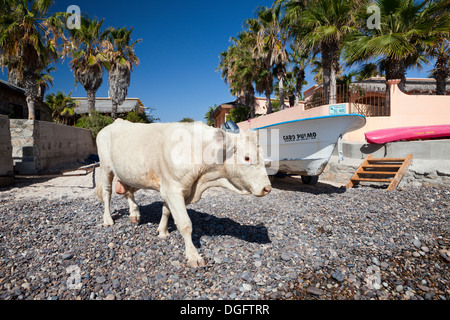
{"x":99,"y":191}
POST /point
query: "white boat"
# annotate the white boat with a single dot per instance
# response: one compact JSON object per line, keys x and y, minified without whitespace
{"x":304,"y":146}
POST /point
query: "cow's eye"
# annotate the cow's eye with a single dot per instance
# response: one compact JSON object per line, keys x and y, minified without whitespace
{"x":247,"y":158}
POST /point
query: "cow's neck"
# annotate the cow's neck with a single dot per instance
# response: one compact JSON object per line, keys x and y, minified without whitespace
{"x":210,"y":176}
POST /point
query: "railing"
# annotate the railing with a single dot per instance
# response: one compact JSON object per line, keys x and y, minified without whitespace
{"x":369,"y":101}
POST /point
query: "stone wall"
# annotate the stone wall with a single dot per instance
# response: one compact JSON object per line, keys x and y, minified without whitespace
{"x":24,"y":151}
{"x":41,"y":145}
{"x":6,"y":163}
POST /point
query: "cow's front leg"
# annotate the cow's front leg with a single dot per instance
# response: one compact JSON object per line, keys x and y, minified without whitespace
{"x":162,"y":228}
{"x":177,"y":207}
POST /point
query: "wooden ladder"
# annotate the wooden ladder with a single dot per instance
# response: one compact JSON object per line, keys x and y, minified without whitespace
{"x":384,"y":170}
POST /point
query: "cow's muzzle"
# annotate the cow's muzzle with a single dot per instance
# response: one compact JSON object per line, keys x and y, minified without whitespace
{"x":266,"y":190}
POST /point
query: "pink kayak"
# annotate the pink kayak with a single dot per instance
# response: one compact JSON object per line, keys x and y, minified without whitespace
{"x":407,"y":133}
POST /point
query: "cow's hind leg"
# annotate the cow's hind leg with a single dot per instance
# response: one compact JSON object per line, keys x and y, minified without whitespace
{"x":177,"y":207}
{"x":107,"y":179}
{"x":135,"y":215}
{"x":162,"y":228}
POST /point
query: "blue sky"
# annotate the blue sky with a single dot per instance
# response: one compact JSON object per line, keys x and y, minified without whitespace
{"x":179,"y":52}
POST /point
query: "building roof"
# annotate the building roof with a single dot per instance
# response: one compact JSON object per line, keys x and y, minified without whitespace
{"x":10,"y":86}
{"x":412,"y":84}
{"x":104,"y":105}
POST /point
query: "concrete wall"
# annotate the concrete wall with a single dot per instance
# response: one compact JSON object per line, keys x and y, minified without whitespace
{"x":6,"y":163}
{"x":438,"y":149}
{"x":41,"y":145}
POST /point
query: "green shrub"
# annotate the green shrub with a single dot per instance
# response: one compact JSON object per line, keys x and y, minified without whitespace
{"x":95,"y":122}
{"x":238,"y":114}
{"x":133,"y":116}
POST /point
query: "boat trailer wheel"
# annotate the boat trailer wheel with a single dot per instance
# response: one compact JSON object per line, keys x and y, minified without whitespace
{"x":312,"y":180}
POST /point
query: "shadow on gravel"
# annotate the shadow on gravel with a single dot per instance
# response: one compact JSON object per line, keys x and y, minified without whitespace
{"x":295,"y":184}
{"x":204,"y":224}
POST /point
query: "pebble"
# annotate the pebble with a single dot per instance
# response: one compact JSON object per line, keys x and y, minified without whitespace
{"x":425,"y":249}
{"x":417,"y":243}
{"x":314,"y":291}
{"x":360,"y":243}
{"x":285,"y":256}
{"x":338,"y":276}
{"x":67,"y":256}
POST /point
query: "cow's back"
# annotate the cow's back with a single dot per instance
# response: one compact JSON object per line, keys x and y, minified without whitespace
{"x":140,"y":155}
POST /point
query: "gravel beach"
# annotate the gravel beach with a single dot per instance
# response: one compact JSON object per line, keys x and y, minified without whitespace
{"x":298,"y":242}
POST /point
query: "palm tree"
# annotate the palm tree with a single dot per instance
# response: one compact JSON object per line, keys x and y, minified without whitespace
{"x":44,"y":80}
{"x":61,"y":107}
{"x":441,"y":70}
{"x":400,"y":41}
{"x":209,"y":116}
{"x":301,"y":59}
{"x":320,"y":26}
{"x":239,"y":69}
{"x":119,"y":61}
{"x":368,"y":70}
{"x":269,"y":44}
{"x":26,"y":45}
{"x":87,"y":57}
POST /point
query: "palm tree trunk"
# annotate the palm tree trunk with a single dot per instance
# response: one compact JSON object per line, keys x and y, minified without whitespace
{"x":91,"y":100}
{"x":13,"y":77}
{"x":281,"y":91}
{"x":333,"y":94}
{"x":441,"y":73}
{"x":268,"y":102}
{"x":114,"y":111}
{"x":31,"y":103}
{"x":299,"y":85}
{"x":250,"y":100}
{"x":31,"y":93}
{"x":291,"y":97}
{"x":330,"y":59}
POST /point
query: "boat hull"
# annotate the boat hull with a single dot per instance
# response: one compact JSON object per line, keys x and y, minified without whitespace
{"x":304,"y":146}
{"x":407,"y":133}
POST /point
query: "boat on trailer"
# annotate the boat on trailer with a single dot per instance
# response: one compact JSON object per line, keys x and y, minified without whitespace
{"x":304,"y":146}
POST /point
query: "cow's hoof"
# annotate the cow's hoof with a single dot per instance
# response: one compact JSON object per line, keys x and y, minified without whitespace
{"x":195,"y":263}
{"x":135,"y":220}
{"x":163,"y":234}
{"x":108,"y":222}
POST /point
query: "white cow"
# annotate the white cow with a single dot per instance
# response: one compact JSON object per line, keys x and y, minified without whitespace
{"x":181,"y":161}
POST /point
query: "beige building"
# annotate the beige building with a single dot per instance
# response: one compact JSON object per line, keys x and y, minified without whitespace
{"x":104,"y":106}
{"x":221,"y":112}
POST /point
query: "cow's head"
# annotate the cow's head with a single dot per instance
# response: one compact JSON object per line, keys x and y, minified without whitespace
{"x":244,"y":164}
